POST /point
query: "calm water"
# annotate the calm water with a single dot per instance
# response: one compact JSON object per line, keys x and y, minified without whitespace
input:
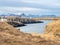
{"x":34,"y":28}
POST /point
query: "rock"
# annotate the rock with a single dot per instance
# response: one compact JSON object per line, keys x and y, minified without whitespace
{"x":16,"y":24}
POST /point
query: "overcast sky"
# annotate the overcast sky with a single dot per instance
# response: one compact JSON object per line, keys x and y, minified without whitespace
{"x":30,"y":6}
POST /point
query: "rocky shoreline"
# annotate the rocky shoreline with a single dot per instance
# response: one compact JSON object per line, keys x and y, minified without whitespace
{"x":16,"y":24}
{"x":32,"y":22}
{"x":20,"y":24}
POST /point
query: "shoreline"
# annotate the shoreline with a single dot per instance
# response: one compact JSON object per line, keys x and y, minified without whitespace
{"x":19,"y":24}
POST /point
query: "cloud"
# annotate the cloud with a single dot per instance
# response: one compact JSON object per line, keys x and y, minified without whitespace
{"x":32,"y":6}
{"x":22,"y":10}
{"x":44,"y":2}
{"x":53,"y":3}
{"x":18,"y":9}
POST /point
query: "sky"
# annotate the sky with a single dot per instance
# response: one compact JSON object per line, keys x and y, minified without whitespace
{"x":38,"y":7}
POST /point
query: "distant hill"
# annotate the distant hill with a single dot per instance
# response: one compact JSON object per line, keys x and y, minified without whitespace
{"x":48,"y":16}
{"x":30,"y":15}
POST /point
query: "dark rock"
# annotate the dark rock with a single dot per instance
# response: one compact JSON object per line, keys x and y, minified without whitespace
{"x":16,"y":24}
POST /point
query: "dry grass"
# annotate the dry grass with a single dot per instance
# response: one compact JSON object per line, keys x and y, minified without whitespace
{"x":11,"y":36}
